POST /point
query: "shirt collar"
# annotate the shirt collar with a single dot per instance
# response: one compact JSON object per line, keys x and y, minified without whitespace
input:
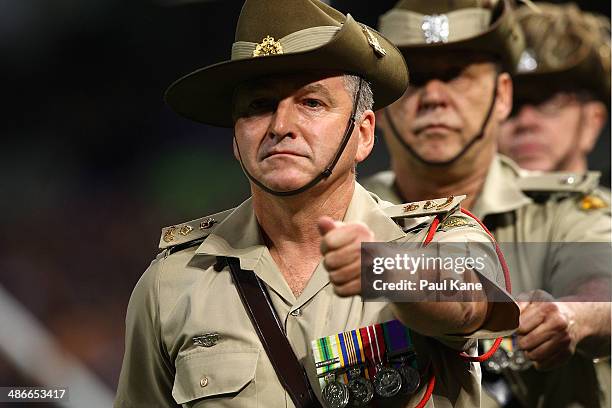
{"x":364,"y":207}
{"x":501,"y":192}
{"x":237,"y":236}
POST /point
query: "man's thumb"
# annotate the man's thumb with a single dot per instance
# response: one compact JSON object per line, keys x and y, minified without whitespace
{"x":325,"y":225}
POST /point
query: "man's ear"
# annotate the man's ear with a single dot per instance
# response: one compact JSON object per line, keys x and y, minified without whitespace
{"x":365,"y":135}
{"x":235,"y":148}
{"x":594,"y":116}
{"x":503,"y":103}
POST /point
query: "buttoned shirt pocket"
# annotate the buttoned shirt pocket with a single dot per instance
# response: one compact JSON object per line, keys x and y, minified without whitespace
{"x":219,"y":378}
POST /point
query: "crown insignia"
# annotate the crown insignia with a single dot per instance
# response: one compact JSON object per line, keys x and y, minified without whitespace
{"x":435,"y":28}
{"x":268,"y":46}
{"x":527,"y":62}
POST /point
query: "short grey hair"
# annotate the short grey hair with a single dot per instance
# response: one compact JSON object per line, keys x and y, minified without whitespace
{"x":366,"y":96}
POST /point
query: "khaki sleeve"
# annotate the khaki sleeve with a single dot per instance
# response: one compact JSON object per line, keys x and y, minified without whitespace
{"x":503,"y":312}
{"x":147,"y":374}
{"x":580,"y":249}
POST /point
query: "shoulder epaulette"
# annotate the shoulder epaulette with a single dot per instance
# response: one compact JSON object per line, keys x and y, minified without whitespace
{"x":192,"y":230}
{"x":558,"y":182}
{"x":424,"y":208}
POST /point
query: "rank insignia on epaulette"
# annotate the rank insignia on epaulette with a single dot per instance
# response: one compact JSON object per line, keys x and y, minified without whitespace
{"x":192,"y":231}
{"x":424,"y":208}
{"x":411,"y":207}
{"x":592,"y":202}
{"x":169,"y":234}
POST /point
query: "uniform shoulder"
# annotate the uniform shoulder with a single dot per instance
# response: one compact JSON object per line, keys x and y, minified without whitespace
{"x":176,"y":237}
{"x":415,"y":217}
{"x":424,"y":208}
{"x":578,"y":190}
{"x":557,"y":182}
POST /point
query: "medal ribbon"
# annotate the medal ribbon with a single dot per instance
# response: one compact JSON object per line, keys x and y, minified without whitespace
{"x":398,"y":339}
{"x":326,"y":355}
{"x":508,"y":344}
{"x":351,"y":347}
{"x":338,"y":351}
{"x":373,"y":346}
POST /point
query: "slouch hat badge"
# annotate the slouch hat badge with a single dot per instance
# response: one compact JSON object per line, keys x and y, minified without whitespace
{"x":435,"y":28}
{"x":268,"y":46}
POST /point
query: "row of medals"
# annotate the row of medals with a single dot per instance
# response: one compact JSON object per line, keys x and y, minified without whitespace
{"x":502,"y":359}
{"x":388,"y":382}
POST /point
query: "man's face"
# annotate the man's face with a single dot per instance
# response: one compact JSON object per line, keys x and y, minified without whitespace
{"x":445,"y":105}
{"x":289,"y":128}
{"x":546,"y":135}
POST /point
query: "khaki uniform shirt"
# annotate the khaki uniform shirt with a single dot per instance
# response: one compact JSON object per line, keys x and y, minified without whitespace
{"x":518,"y":221}
{"x":181,"y":296}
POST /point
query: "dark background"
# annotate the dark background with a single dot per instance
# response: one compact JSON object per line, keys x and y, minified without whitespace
{"x":93,"y":163}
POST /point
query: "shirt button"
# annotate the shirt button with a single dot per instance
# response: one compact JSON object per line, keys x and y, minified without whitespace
{"x":204,"y":382}
{"x":297,"y":312}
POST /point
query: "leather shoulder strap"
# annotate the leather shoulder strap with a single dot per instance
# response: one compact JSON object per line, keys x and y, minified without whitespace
{"x":257,"y":302}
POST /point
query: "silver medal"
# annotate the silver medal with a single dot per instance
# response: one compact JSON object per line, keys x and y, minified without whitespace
{"x":361,"y":390}
{"x":497,"y":362}
{"x":518,"y":361}
{"x":411,"y":379}
{"x":335,"y":393}
{"x":387,"y":382}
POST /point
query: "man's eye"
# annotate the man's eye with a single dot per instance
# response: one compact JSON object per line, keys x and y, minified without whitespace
{"x":312,"y":103}
{"x":260,"y":104}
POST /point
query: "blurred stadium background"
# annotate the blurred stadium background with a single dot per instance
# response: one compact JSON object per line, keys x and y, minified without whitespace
{"x":94,"y":164}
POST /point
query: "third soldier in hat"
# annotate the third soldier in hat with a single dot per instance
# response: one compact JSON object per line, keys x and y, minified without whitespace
{"x":562,"y":88}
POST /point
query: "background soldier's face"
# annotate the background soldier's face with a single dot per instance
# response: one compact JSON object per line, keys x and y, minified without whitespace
{"x":550,"y":134}
{"x":445,"y":105}
{"x":288,"y":128}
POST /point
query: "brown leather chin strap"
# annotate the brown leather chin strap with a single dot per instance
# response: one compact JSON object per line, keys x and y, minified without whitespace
{"x":450,"y":161}
{"x":325,"y":173}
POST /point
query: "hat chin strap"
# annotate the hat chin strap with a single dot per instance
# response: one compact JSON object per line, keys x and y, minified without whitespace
{"x":450,"y":161}
{"x":325,"y":173}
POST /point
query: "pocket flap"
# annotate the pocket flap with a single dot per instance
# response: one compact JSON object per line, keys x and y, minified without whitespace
{"x":204,"y":374}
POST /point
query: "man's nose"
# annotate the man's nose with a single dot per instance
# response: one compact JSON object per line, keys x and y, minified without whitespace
{"x":526,"y":116}
{"x":282,"y":123}
{"x":433,"y":95}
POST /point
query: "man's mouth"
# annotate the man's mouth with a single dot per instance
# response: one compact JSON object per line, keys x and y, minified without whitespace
{"x":281,"y":153}
{"x":433,"y":127}
{"x":528,"y":148}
